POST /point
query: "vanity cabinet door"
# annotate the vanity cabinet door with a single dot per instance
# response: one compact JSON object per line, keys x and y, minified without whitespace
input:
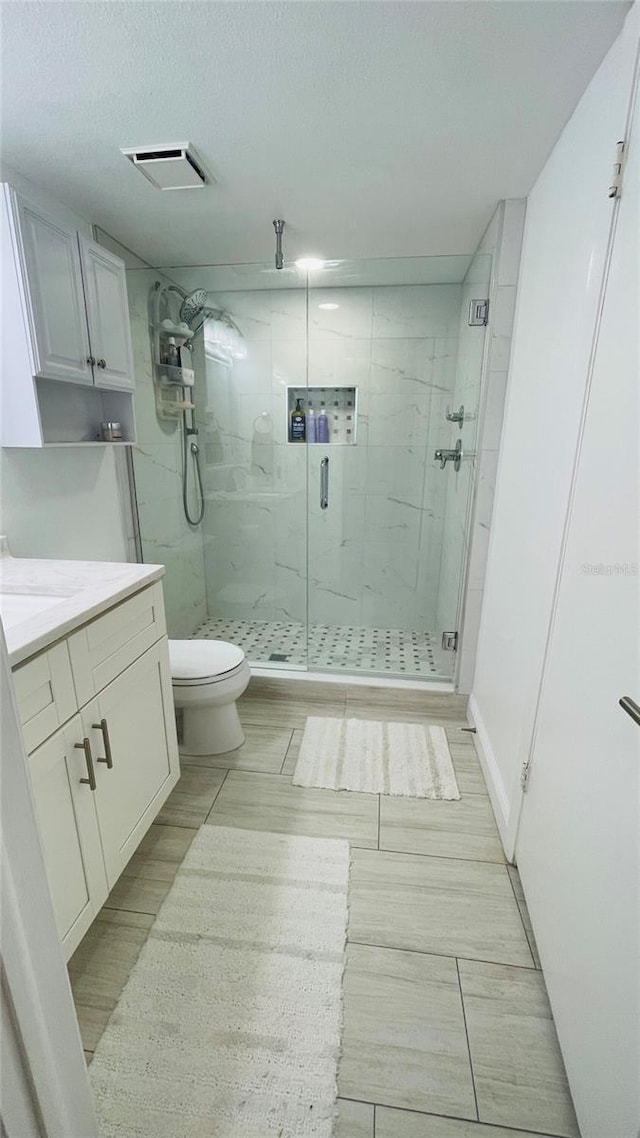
{"x":52,"y":289}
{"x":131,"y":725}
{"x":68,"y":824}
{"x":105,"y":287}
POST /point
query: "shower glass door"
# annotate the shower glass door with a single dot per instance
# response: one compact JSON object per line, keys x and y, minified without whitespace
{"x":340,"y":551}
{"x":390,"y":355}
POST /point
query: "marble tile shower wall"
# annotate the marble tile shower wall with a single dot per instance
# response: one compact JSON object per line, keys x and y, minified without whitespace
{"x":374,"y":555}
{"x":167,"y":538}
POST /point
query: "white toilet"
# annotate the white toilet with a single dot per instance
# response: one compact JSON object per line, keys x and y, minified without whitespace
{"x":208,"y":676}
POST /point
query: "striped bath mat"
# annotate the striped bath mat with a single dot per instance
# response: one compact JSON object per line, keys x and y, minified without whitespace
{"x":377,"y":758}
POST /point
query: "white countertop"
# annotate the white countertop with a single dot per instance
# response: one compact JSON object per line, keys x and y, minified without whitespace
{"x":43,"y":600}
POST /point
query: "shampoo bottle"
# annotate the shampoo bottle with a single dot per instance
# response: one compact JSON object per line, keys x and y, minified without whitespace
{"x":322,"y":426}
{"x":298,"y":432}
{"x":311,"y":425}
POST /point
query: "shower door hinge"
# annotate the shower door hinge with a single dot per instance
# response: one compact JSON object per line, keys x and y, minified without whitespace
{"x":450,"y":641}
{"x":524,"y":774}
{"x":478,"y":313}
{"x":615,"y":186}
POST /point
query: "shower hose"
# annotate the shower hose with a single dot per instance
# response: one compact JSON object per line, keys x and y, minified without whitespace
{"x":189,"y":444}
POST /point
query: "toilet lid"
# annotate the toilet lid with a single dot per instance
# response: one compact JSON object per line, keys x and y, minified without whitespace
{"x":202,"y":659}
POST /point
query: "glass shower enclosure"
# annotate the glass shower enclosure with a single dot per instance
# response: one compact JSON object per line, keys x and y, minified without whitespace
{"x":333,"y":538}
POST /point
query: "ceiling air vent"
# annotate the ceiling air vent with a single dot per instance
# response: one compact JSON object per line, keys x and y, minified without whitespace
{"x":175,"y":167}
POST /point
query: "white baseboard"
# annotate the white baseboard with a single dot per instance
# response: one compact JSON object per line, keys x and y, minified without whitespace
{"x":495,"y":785}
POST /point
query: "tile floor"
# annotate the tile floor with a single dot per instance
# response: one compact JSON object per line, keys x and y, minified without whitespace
{"x":447,"y":1028}
{"x":380,"y":651}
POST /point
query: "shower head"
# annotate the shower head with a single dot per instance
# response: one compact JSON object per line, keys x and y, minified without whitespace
{"x":193,"y":305}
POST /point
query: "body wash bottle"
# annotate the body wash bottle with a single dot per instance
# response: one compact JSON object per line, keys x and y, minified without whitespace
{"x":311,"y":425}
{"x":322,"y":426}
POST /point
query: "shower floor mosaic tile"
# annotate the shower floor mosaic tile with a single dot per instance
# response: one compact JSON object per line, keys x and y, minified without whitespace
{"x":378,"y":650}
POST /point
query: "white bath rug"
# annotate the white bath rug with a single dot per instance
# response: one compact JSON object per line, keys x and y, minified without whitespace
{"x":378,"y":758}
{"x":229,"y":1025}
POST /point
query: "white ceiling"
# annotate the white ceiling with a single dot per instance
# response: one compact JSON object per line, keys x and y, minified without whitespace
{"x":375,"y":129}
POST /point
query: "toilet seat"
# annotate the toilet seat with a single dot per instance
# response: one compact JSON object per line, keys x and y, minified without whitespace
{"x":203,"y":662}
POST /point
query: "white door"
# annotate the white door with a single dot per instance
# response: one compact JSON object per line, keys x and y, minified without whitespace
{"x":131,"y":725}
{"x":105,"y":286}
{"x":58,"y":322}
{"x":65,"y":809}
{"x":578,"y":844}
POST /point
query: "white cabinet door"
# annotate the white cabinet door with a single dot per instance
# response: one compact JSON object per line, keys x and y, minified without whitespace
{"x":131,"y":723}
{"x":53,"y":295}
{"x":105,"y":286}
{"x":68,"y":824}
{"x":579,"y":844}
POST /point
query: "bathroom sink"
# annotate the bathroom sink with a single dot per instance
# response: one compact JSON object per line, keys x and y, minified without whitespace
{"x":17,"y":607}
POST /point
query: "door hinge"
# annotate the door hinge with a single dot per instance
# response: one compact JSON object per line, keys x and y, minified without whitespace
{"x":478,"y":313}
{"x":615,"y":187}
{"x":524,"y":774}
{"x":450,"y":641}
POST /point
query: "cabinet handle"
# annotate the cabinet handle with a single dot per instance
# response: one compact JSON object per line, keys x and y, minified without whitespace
{"x":108,"y":759}
{"x":102,"y":363}
{"x":85,"y":746}
{"x":91,"y":360}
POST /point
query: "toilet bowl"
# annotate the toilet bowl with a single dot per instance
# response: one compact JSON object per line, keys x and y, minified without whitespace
{"x":208,"y":676}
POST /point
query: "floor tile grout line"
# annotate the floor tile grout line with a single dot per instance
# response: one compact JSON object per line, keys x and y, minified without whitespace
{"x":208,"y":815}
{"x":286,"y":751}
{"x":498,"y":1126}
{"x":442,"y":955}
{"x":522,"y":920}
{"x":466,"y":1034}
{"x":446,"y":857}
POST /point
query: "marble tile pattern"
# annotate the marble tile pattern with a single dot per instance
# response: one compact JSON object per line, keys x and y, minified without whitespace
{"x":395,"y":651}
{"x":447,"y":1027}
{"x":167,"y":537}
{"x":374,"y":554}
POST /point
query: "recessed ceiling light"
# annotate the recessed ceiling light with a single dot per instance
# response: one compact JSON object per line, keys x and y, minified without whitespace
{"x":308,"y":264}
{"x":329,"y":306}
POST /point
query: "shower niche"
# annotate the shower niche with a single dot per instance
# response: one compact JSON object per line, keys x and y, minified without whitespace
{"x":340,"y":405}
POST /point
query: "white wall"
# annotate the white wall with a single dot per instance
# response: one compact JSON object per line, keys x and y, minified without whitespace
{"x":66,"y":502}
{"x":566,"y":234}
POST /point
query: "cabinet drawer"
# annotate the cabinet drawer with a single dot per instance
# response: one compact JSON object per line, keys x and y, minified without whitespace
{"x":45,"y":694}
{"x":105,"y":647}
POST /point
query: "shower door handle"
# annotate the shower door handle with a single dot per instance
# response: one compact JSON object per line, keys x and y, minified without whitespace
{"x":324,"y":483}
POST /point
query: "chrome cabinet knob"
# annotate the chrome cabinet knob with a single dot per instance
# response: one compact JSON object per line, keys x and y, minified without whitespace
{"x":102,"y":363}
{"x":91,"y":360}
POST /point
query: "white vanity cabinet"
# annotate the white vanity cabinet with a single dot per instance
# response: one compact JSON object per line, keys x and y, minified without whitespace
{"x":69,"y":832}
{"x":130,"y":725}
{"x":98,"y":722}
{"x":67,"y":354}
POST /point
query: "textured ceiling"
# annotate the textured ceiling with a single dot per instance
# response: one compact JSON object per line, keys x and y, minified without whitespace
{"x":374,"y":129}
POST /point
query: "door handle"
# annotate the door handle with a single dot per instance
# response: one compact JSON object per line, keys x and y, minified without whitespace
{"x":631,"y":707}
{"x":324,"y":483}
{"x":108,"y":759}
{"x":85,"y":746}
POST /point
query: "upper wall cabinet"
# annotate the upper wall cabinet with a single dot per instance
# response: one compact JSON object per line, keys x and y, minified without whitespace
{"x":105,"y":290}
{"x":53,"y":296}
{"x":67,"y":356}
